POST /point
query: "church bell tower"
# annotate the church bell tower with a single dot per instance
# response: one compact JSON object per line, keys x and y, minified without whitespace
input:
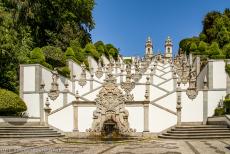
{"x":168,"y":48}
{"x":148,"y":48}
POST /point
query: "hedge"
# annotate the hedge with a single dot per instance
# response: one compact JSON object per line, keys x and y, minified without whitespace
{"x":11,"y":103}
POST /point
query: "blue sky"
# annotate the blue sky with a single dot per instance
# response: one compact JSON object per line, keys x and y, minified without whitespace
{"x":128,"y":23}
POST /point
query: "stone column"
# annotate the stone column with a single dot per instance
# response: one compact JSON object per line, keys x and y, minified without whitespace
{"x":210,"y":74}
{"x":75,"y":113}
{"x":174,"y":79}
{"x":146,"y":116}
{"x":147,"y":87}
{"x":205,"y":102}
{"x":65,"y":93}
{"x":228,"y":84}
{"x":47,"y":110}
{"x":41,"y":100}
{"x":73,"y":83}
{"x":91,"y":82}
{"x":151,"y":75}
{"x":178,"y":107}
{"x":197,"y":65}
{"x":190,"y":59}
{"x":121,"y":75}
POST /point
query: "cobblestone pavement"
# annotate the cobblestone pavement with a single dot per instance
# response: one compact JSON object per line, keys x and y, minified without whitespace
{"x":157,"y":146}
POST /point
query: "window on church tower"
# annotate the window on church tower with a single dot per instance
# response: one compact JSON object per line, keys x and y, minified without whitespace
{"x":168,"y":50}
{"x":148,"y":50}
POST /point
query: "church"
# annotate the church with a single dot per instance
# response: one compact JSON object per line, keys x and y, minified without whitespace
{"x":149,"y":95}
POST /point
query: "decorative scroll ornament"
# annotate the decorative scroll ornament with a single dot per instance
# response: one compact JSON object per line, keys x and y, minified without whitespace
{"x":54,"y":91}
{"x":99,"y":72}
{"x":110,"y":104}
{"x":192,"y":91}
{"x":137,"y":76}
{"x":82,"y":81}
{"x":128,"y":86}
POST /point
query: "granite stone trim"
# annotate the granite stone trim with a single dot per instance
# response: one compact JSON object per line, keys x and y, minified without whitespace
{"x":205,"y":106}
{"x":165,"y":95}
{"x":163,"y":108}
{"x":192,"y":147}
{"x":21,"y":78}
{"x":164,"y":82}
{"x":210,"y":74}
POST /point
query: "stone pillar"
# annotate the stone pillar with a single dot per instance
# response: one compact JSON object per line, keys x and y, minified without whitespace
{"x":47,"y":110}
{"x":65,"y":93}
{"x":178,"y":107}
{"x":205,"y":102}
{"x":121,"y":75}
{"x":38,"y":77}
{"x":147,"y":88}
{"x":73,"y":83}
{"x":197,"y":65}
{"x":91,"y":82}
{"x":151,"y":75}
{"x":228,"y":84}
{"x":210,"y":74}
{"x":75,"y":113}
{"x":41,"y":100}
{"x":190,"y":59}
{"x":146,"y":116}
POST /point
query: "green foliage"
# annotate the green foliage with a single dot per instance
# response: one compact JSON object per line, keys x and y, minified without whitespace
{"x":64,"y":71}
{"x":227,"y":68}
{"x":90,"y":49}
{"x":226,"y":50}
{"x":54,"y":56}
{"x":37,"y":56}
{"x":127,"y":61}
{"x":57,"y":22}
{"x":214,"y":37}
{"x":69,"y":53}
{"x":219,"y":112}
{"x":227,"y":105}
{"x":11,"y":103}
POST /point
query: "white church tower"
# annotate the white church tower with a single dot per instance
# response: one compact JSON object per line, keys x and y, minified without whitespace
{"x":168,"y":48}
{"x":148,"y":48}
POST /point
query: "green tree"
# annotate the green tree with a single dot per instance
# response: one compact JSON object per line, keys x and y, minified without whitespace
{"x":193,"y":47}
{"x":202,"y":47}
{"x":226,"y":50}
{"x":90,"y":49}
{"x":55,"y":22}
{"x":223,"y":36}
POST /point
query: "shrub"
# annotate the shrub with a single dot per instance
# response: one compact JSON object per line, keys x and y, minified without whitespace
{"x":37,"y":56}
{"x":227,"y":68}
{"x":11,"y":103}
{"x":54,"y":56}
{"x":64,"y":71}
{"x":227,"y":106}
{"x":219,"y":112}
{"x":69,"y":53}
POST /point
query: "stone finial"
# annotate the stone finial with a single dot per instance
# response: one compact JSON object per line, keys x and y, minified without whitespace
{"x":205,"y":82}
{"x":77,"y":96}
{"x":147,"y":80}
{"x":47,"y":103}
{"x":146,"y":95}
{"x":178,"y":82}
{"x":74,"y":76}
{"x":66,"y":84}
{"x":42,"y":85}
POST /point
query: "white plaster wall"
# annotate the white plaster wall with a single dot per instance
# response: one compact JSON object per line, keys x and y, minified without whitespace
{"x":105,"y":60}
{"x":70,"y":98}
{"x":192,"y":110}
{"x":157,"y":80}
{"x":33,"y":105}
{"x":167,"y":69}
{"x":213,"y":100}
{"x":155,"y":93}
{"x":82,"y":90}
{"x":91,"y":96}
{"x":219,"y":74}
{"x":168,"y":102}
{"x":167,"y":75}
{"x":92,"y":63}
{"x":160,"y":119}
{"x":139,"y":92}
{"x":77,"y":71}
{"x":29,"y":78}
{"x":63,"y":119}
{"x":96,"y":84}
{"x":56,"y":104}
{"x":168,"y":85}
{"x":159,"y":72}
{"x":136,"y":118}
{"x":85,"y":118}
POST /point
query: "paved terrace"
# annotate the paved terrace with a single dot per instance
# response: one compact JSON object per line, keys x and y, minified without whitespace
{"x":45,"y":145}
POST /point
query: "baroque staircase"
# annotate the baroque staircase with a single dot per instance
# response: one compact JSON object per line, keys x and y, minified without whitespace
{"x":27,"y":131}
{"x":197,"y":132}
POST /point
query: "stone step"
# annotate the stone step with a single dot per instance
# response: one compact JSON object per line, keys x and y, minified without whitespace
{"x":197,"y":131}
{"x":25,"y":133}
{"x":24,"y":127}
{"x":198,"y":134}
{"x":193,"y":137}
{"x":202,"y":126}
{"x":31,"y":136}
